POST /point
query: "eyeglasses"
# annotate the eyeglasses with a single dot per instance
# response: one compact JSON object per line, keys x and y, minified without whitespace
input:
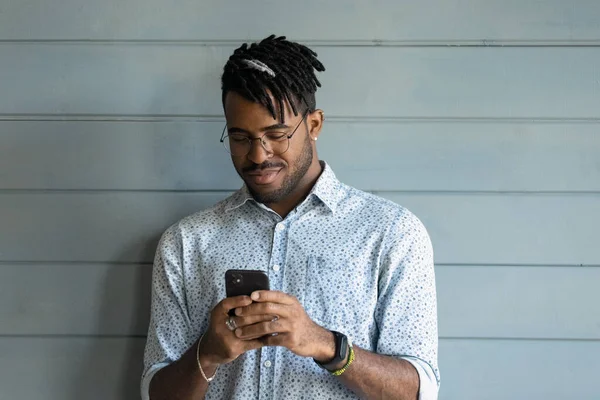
{"x":274,"y":142}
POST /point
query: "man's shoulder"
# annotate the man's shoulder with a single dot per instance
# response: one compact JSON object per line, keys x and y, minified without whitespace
{"x":382,"y":211}
{"x":373,"y":203}
{"x":200,"y":220}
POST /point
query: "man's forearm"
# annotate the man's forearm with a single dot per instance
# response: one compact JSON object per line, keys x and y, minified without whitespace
{"x":181,"y":380}
{"x":375,"y":376}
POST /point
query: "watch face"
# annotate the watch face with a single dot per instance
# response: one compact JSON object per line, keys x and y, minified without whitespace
{"x":341,"y":351}
{"x":341,"y":346}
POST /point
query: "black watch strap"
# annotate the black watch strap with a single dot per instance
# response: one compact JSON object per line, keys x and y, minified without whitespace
{"x":341,"y":352}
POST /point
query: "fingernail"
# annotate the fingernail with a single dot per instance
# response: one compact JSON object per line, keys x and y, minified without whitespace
{"x":255,"y":296}
{"x":238,"y":311}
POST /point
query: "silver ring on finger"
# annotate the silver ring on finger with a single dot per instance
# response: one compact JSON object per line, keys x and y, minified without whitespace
{"x":231,"y":325}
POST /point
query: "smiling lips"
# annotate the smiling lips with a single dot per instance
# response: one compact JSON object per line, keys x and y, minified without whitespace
{"x":263,"y":177}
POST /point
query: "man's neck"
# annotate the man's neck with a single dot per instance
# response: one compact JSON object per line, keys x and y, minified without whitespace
{"x":285,"y":206}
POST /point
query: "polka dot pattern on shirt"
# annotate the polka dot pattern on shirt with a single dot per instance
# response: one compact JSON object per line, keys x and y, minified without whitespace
{"x":359,"y":264}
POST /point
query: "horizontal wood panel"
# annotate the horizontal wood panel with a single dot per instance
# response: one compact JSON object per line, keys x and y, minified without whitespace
{"x":466,"y":156}
{"x":70,"y":368}
{"x":109,"y":368}
{"x":499,"y":370}
{"x":509,"y":229}
{"x":356,"y":20}
{"x":98,"y":226}
{"x":465,"y":229}
{"x":518,"y":302}
{"x":74,"y":299}
{"x":403,"y":82}
{"x":486,"y":302}
{"x":115,"y":155}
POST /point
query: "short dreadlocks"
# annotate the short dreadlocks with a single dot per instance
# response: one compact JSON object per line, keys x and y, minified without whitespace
{"x":277,"y":66}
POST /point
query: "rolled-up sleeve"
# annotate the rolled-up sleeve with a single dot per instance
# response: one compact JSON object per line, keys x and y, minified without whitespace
{"x":169,"y":333}
{"x":428,"y":383}
{"x":406,"y":313}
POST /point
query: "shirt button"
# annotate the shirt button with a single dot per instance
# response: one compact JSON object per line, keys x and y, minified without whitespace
{"x":279,"y":227}
{"x":268,"y":364}
{"x":276,"y":268}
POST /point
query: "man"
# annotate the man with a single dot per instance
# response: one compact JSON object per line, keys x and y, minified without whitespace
{"x":352,"y":307}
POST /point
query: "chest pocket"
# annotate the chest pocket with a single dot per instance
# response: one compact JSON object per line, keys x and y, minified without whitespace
{"x":336,"y":294}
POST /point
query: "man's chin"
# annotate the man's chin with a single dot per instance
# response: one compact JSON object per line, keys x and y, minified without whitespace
{"x":265,"y":195}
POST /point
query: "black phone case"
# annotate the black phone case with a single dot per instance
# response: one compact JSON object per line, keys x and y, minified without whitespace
{"x":242,"y":282}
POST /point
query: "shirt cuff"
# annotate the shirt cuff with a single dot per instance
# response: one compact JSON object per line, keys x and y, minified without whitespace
{"x":145,"y":386}
{"x":429,"y":388}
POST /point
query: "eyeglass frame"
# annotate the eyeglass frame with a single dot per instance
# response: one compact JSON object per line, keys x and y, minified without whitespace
{"x":262,"y":143}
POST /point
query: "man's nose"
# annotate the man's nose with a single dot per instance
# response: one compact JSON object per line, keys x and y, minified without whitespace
{"x":258,"y":154}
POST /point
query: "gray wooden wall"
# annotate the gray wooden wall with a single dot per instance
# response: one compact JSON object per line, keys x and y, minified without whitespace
{"x":481,"y":116}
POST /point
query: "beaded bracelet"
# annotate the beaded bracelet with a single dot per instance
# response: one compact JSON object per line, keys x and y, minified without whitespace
{"x":200,"y":366}
{"x":345,"y":367}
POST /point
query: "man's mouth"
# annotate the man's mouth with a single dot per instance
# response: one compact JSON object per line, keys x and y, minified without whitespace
{"x":263,"y":176}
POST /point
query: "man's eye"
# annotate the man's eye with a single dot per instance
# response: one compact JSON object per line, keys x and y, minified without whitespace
{"x":238,"y":138}
{"x":276,"y":136}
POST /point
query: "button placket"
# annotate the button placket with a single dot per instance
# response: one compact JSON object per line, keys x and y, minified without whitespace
{"x":267,"y":373}
{"x":268,"y":354}
{"x":278,"y":253}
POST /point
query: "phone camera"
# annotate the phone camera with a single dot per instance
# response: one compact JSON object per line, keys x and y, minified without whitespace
{"x":237,"y":279}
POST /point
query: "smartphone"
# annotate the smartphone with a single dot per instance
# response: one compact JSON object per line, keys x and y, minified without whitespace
{"x":242,"y":282}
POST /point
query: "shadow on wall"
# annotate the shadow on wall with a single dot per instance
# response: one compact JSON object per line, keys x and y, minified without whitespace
{"x":112,"y":365}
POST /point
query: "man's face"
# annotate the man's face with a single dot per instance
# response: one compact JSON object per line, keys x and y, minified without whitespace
{"x":269,"y":177}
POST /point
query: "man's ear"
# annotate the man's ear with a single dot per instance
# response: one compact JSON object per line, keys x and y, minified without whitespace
{"x":315,"y":122}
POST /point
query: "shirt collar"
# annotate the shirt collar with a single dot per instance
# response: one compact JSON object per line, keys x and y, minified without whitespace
{"x":326,"y":189}
{"x":239,"y":198}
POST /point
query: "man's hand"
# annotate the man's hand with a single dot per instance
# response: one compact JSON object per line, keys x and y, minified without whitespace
{"x":292,"y":328}
{"x":219,"y":344}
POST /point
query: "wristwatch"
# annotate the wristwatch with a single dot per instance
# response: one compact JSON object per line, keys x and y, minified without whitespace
{"x":342,"y":347}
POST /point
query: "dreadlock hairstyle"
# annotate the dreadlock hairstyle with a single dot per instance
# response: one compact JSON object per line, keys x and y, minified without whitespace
{"x":277,"y":66}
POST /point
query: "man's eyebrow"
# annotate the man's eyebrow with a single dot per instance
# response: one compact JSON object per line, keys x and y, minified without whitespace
{"x":237,"y":130}
{"x":275,"y":127}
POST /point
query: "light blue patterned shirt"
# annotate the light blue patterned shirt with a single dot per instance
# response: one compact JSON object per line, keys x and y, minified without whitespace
{"x":359,"y":264}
